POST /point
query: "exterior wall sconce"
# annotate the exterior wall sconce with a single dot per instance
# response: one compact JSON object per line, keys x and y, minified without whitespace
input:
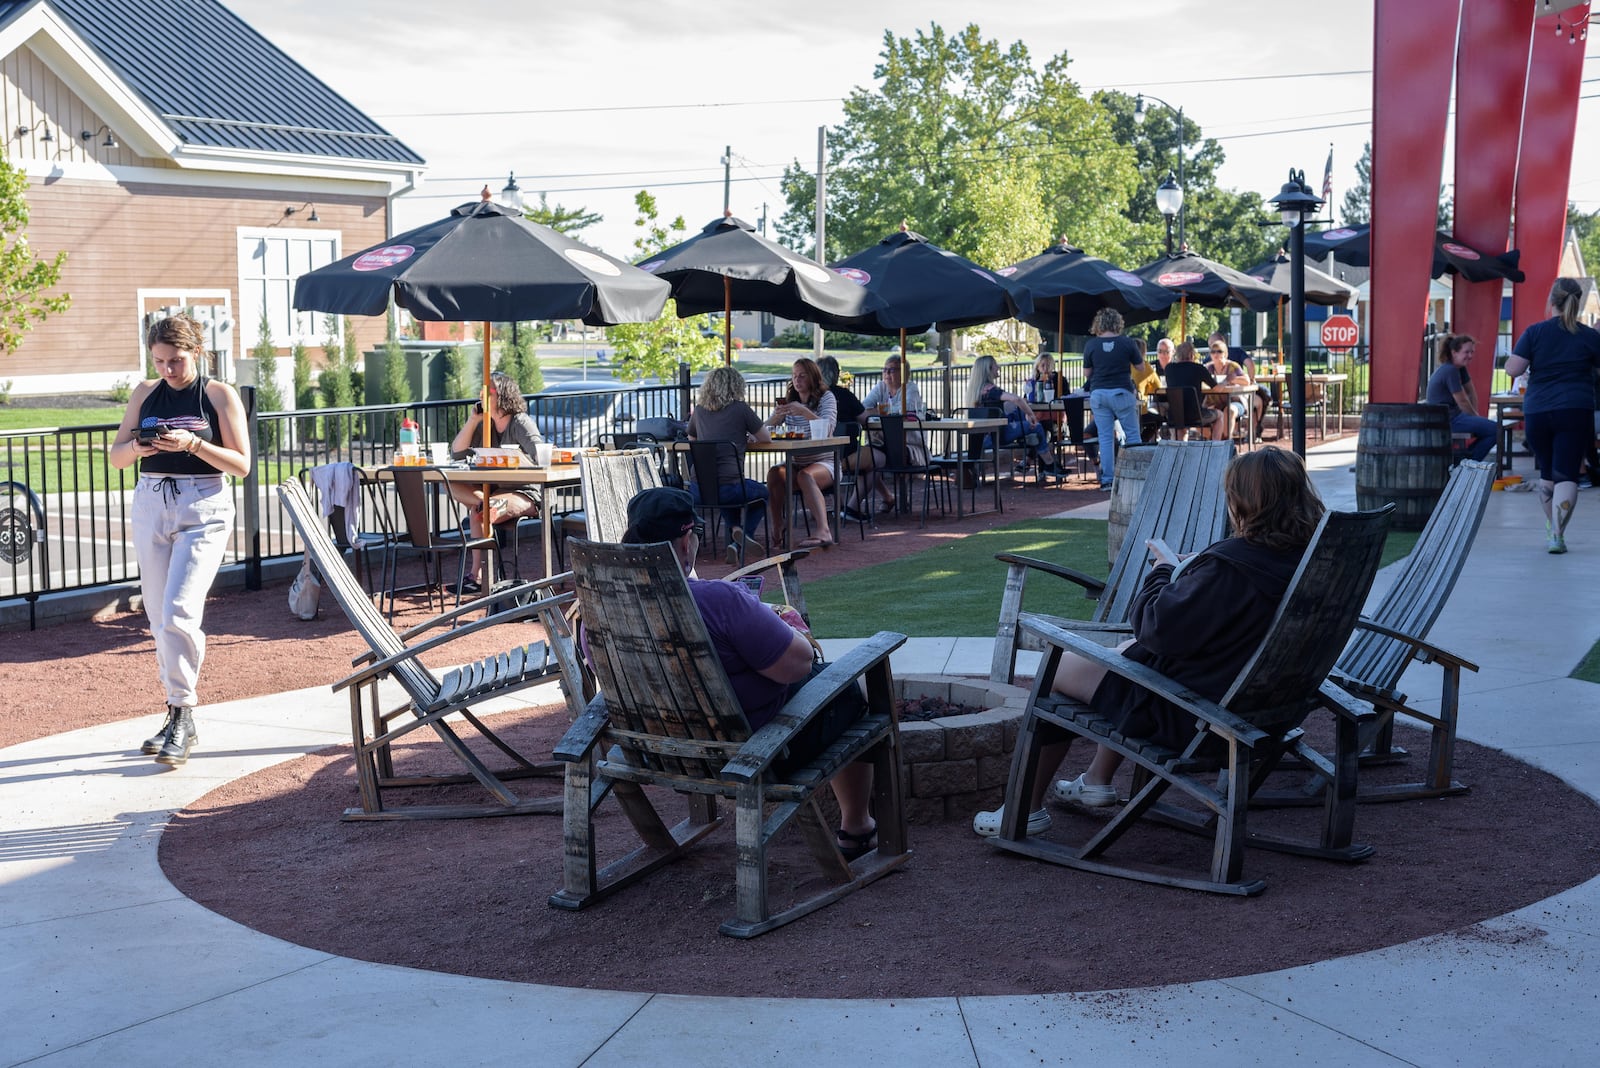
{"x":46,"y":137}
{"x":110,"y":141}
{"x":313,"y":217}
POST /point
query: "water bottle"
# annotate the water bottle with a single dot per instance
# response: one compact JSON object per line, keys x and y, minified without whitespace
{"x":408,"y":431}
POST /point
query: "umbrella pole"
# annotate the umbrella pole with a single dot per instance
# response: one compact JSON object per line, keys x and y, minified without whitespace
{"x":727,"y":321}
{"x":1183,"y":317}
{"x":483,"y":396}
{"x":1280,"y":333}
{"x":1061,"y":329}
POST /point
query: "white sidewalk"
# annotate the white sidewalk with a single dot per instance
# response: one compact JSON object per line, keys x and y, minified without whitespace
{"x":108,"y":964}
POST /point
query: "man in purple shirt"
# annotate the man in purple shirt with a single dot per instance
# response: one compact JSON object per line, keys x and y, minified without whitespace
{"x":766,"y":658}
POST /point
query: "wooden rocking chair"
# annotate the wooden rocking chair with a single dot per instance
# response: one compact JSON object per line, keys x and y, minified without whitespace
{"x":667,"y":716}
{"x":1394,"y":635}
{"x":1182,"y":503}
{"x":430,"y":701}
{"x":1257,"y":720}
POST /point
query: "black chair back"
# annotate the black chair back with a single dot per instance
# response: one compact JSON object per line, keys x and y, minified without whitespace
{"x":1183,"y":407}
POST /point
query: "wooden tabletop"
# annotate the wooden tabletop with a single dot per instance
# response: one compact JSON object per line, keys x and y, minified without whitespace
{"x":493,"y":476}
{"x":1319,"y":379}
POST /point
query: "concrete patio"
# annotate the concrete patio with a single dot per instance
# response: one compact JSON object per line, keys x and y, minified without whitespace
{"x":107,"y":963}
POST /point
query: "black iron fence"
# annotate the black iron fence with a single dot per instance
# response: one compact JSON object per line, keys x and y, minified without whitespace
{"x":64,"y":510}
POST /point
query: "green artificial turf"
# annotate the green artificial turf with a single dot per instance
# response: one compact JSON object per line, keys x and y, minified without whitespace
{"x":1588,"y":668}
{"x":953,"y":590}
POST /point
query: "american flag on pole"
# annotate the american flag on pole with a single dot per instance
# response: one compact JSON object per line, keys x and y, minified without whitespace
{"x":1327,"y":177}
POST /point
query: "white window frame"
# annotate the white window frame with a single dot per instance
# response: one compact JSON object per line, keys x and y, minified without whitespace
{"x":260,"y":272}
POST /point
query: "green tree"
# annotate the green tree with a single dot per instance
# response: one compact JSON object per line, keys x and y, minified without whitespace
{"x":334,"y":383}
{"x":654,"y":349}
{"x":1358,"y":198}
{"x":269,"y":395}
{"x":567,"y":220}
{"x":305,"y":391}
{"x":1586,"y":229}
{"x":1011,"y":192}
{"x":24,"y":277}
{"x":923,"y":145}
{"x":519,"y":357}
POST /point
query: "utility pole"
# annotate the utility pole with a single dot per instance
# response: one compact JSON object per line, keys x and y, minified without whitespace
{"x":727,"y":180}
{"x":763,"y":218}
{"x":822,"y":221}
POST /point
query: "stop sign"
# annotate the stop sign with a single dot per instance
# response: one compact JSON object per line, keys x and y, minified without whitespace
{"x":1340,"y":333}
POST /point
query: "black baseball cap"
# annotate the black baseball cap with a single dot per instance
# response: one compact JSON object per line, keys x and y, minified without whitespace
{"x":661,"y":513}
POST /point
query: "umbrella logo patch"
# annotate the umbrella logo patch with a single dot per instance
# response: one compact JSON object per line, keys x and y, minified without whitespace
{"x":1459,"y":251}
{"x":855,"y":274}
{"x":379,"y":258}
{"x":1340,"y":234}
{"x":1124,"y":278}
{"x":1180,"y":278}
{"x":590,"y":262}
{"x":651,"y":266}
{"x":1006,"y":272}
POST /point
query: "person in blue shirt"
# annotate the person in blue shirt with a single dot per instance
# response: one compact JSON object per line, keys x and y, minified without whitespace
{"x":1451,"y":386}
{"x":1110,"y":357}
{"x":1560,"y":356}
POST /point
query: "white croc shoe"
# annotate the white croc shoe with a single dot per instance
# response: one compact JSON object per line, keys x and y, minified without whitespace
{"x":1076,"y":791}
{"x":987,"y":824}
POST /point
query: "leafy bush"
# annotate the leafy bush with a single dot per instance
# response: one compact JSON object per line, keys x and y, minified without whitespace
{"x":269,"y":395}
{"x":121,"y":390}
{"x":795,"y":337}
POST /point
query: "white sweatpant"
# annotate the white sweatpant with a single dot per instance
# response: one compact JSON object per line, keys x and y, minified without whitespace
{"x":181,"y":528}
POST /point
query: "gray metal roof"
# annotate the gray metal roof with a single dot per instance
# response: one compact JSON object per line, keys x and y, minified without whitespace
{"x":219,"y":83}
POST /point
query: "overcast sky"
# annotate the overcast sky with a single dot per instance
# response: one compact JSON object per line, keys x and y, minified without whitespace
{"x":591,"y":100}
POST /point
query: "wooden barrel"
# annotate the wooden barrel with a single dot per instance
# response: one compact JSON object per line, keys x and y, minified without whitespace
{"x":1403,"y":456}
{"x":1128,"y":483}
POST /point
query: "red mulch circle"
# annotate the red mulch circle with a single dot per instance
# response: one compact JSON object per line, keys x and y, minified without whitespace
{"x":962,"y":917}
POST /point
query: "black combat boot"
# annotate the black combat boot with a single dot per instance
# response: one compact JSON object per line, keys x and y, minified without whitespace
{"x":180,"y":739}
{"x":152,"y":745}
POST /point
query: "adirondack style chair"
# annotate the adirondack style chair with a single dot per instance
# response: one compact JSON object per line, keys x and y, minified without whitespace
{"x":1394,"y":634}
{"x":1182,"y":503}
{"x":429,"y":700}
{"x":1258,"y":721}
{"x":666,"y":715}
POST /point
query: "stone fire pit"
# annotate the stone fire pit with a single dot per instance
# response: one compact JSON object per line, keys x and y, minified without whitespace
{"x":956,"y":765}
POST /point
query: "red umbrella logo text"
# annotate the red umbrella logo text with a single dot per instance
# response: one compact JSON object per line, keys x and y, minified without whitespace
{"x":379,"y":258}
{"x":1180,"y":278}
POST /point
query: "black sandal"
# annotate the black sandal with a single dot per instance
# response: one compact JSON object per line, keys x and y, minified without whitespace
{"x":858,"y":844}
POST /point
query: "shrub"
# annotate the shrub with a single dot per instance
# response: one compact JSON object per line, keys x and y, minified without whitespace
{"x":121,"y":390}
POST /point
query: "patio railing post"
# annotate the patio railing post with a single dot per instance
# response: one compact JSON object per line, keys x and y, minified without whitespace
{"x":252,"y":493}
{"x":685,"y":391}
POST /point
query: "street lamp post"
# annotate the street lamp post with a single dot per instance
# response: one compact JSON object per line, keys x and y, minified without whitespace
{"x":1169,"y":202}
{"x":1138,"y":116}
{"x":511,"y":195}
{"x":1295,"y":203}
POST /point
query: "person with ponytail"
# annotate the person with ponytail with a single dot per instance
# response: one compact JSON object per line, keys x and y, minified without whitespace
{"x":1560,"y":356}
{"x":1451,"y":386}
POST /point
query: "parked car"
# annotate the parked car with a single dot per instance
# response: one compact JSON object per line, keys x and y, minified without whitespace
{"x":573,"y":415}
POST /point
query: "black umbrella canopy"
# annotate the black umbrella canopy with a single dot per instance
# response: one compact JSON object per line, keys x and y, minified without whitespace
{"x":1353,"y":245}
{"x":728,"y":266}
{"x":1210,"y":284}
{"x":484,"y":263}
{"x":1321,"y":288}
{"x":922,"y":284}
{"x":1068,"y":286}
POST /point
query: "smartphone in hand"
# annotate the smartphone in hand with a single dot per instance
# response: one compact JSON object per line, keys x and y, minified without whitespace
{"x":1161,"y":551}
{"x":148,"y":434}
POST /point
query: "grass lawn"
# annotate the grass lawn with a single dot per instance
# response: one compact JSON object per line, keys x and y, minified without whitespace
{"x":28,"y":418}
{"x":1588,"y":668}
{"x":954,"y":590}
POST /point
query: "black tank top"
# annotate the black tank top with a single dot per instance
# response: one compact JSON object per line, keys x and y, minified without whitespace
{"x":179,"y":409}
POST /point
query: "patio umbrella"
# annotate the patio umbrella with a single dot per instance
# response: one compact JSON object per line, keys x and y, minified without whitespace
{"x":922,"y":285}
{"x":1068,"y":286}
{"x":484,"y":263}
{"x":1320,"y":288}
{"x":728,"y":266}
{"x":1353,"y":245}
{"x":1208,"y":284}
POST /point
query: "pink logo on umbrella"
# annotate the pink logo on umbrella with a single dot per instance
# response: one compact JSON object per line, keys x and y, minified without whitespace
{"x":1124,"y":278}
{"x":1460,"y":251}
{"x":1180,"y":278}
{"x":855,"y":274}
{"x":1006,"y":272}
{"x":651,"y":266}
{"x":379,"y":258}
{"x":1340,"y":234}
